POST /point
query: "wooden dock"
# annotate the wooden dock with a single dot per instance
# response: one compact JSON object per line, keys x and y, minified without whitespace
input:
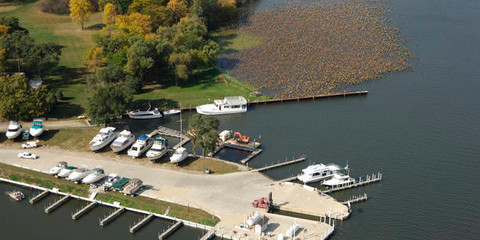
{"x":161,"y":130}
{"x":39,"y":196}
{"x":251,"y":155}
{"x":280,"y":100}
{"x":170,"y":230}
{"x":112,"y":216}
{"x":141,"y":223}
{"x":208,"y":235}
{"x":279,"y":165}
{"x":356,"y":199}
{"x":369,"y":179}
{"x":181,"y":143}
{"x":57,"y":204}
{"x":82,"y":211}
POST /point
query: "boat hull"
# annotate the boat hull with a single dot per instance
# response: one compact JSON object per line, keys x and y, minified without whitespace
{"x":95,"y":147}
{"x":136,"y":154}
{"x":77,"y":177}
{"x":116,"y":148}
{"x":156,"y":154}
{"x":13,"y":135}
{"x":92,"y":179}
{"x":204,"y":109}
{"x":36,"y":132}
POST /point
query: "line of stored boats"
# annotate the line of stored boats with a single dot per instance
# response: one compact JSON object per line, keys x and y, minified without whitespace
{"x":15,"y":129}
{"x":153,"y":148}
{"x":331,"y":175}
{"x":95,"y":176}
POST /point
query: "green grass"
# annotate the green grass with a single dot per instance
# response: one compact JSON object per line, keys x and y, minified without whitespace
{"x":199,"y":164}
{"x":41,"y":180}
{"x":75,"y":139}
{"x":143,"y":203}
{"x":231,"y":40}
{"x":157,"y":206}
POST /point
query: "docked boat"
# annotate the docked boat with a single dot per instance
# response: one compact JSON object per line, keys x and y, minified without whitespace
{"x":16,"y":195}
{"x":37,"y":128}
{"x":145,"y":112}
{"x":180,"y":154}
{"x":143,"y":143}
{"x":133,"y":186}
{"x":228,"y":105}
{"x":104,"y":137}
{"x":159,"y":148}
{"x":96,"y":175}
{"x":14,"y":130}
{"x":339,"y":180}
{"x":78,"y":174}
{"x":111,"y":180}
{"x":59,"y":167}
{"x":124,"y":140}
{"x":318,"y":172}
{"x":120,"y":184}
{"x":66,"y":172}
{"x":171,"y":112}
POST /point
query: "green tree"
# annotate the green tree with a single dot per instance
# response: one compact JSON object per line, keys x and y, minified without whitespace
{"x":80,"y":11}
{"x":42,"y":57}
{"x":201,"y":131}
{"x":18,"y":45}
{"x":111,"y":74}
{"x":19,"y":101}
{"x":108,"y":102}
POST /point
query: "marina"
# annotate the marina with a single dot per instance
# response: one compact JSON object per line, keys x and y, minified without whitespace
{"x":280,"y":164}
{"x":170,"y":230}
{"x":39,"y":197}
{"x":141,"y":223}
{"x":57,"y":204}
{"x":112,"y":216}
{"x":368,"y":179}
{"x":82,"y":211}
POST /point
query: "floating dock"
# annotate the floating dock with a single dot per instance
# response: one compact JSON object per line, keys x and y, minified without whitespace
{"x":181,"y":143}
{"x":369,"y":179}
{"x":111,"y":216}
{"x":57,"y":204}
{"x":161,"y":130}
{"x":251,"y":155}
{"x":80,"y":212}
{"x":141,"y":223}
{"x":170,"y":230}
{"x":279,"y":165}
{"x":39,"y":196}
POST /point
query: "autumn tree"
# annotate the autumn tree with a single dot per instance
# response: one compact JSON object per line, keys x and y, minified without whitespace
{"x":136,"y":24}
{"x":80,"y":11}
{"x":109,"y":14}
{"x":178,"y":8}
{"x":19,"y":101}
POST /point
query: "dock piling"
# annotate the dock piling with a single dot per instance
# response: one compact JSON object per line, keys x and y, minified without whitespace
{"x":170,"y":230}
{"x":82,"y":211}
{"x":57,"y":204}
{"x":141,"y":223}
{"x":112,"y":216}
{"x":38,"y":197}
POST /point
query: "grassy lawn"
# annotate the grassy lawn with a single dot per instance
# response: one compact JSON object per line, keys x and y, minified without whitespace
{"x":143,"y":203}
{"x":156,"y":206}
{"x":42,"y":180}
{"x":75,"y":139}
{"x":231,"y":40}
{"x":199,"y":164}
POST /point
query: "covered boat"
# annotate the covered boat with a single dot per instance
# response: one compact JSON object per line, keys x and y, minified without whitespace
{"x":66,"y":171}
{"x":56,"y":170}
{"x":228,"y":105}
{"x":180,"y":154}
{"x":133,"y":186}
{"x":96,"y":175}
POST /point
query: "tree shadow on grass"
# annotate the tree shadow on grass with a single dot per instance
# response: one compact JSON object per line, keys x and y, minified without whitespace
{"x":66,"y":110}
{"x":161,"y":103}
{"x":95,"y":27}
{"x":47,"y":135}
{"x":3,"y":138}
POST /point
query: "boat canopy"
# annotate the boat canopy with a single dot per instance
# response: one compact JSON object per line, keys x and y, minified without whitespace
{"x":107,"y":130}
{"x":37,"y":122}
{"x":143,"y":137}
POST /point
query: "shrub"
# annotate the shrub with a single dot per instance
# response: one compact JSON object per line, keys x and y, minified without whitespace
{"x":55,"y":6}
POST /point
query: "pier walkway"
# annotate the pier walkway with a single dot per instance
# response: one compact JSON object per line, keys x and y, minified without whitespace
{"x":112,"y":216}
{"x":80,"y":212}
{"x":356,"y":199}
{"x":141,"y":223}
{"x":208,"y":235}
{"x":38,"y":197}
{"x":369,"y":179}
{"x":170,"y":230}
{"x":279,"y":165}
{"x":57,"y":204}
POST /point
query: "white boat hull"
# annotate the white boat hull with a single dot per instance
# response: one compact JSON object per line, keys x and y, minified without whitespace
{"x":55,"y":170}
{"x":92,"y":178}
{"x":12,"y":135}
{"x":209,"y":109}
{"x":145,"y":116}
{"x":156,"y":154}
{"x":178,"y":158}
{"x":95,"y":147}
{"x":116,"y":148}
{"x":312,"y":180}
{"x":64,"y":173}
{"x":75,"y":176}
{"x":35,"y":132}
{"x":136,"y":154}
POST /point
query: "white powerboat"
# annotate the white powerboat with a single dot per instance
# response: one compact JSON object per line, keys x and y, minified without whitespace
{"x":96,"y":175}
{"x":339,"y":180}
{"x":134,"y":185}
{"x":16,"y":195}
{"x":228,"y":105}
{"x":37,"y":128}
{"x":78,"y":174}
{"x":143,"y":143}
{"x":180,"y":154}
{"x":111,"y":179}
{"x":159,"y":148}
{"x":14,"y":130}
{"x":104,"y":137}
{"x":66,"y":171}
{"x":56,"y":170}
{"x":123,"y":141}
{"x":171,"y":112}
{"x":145,"y":112}
{"x":318,"y":172}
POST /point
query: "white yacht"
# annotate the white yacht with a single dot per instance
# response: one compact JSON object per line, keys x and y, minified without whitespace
{"x":171,"y":112}
{"x":339,"y":180}
{"x":145,"y":112}
{"x":66,"y":171}
{"x":96,"y":175}
{"x":143,"y":143}
{"x":78,"y":174}
{"x":37,"y":128}
{"x":14,"y":130}
{"x":180,"y":154}
{"x":56,"y":170}
{"x":318,"y":172}
{"x":103,"y":138}
{"x":112,"y":179}
{"x":226,"y":106}
{"x":123,"y":141}
{"x":159,"y":148}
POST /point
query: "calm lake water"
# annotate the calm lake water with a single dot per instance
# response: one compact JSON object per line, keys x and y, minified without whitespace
{"x":419,"y":128}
